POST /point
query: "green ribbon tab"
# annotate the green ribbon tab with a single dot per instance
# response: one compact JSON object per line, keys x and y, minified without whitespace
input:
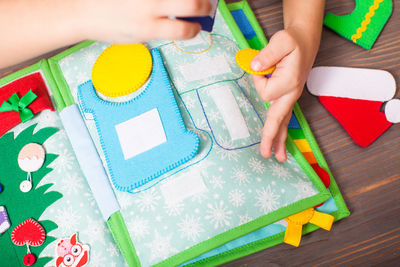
{"x":14,"y":103}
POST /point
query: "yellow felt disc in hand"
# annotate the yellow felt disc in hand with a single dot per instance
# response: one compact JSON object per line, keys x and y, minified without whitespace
{"x":243,"y":59}
{"x":122,"y":69}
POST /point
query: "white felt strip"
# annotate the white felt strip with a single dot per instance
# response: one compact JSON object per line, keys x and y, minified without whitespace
{"x":356,"y":83}
{"x":89,"y":161}
{"x":230,"y":111}
{"x":392,"y":111}
{"x":205,"y":68}
{"x":177,"y":189}
{"x":141,"y":133}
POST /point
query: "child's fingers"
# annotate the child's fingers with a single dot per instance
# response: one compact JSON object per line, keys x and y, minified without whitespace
{"x":170,"y":29}
{"x":280,"y":140}
{"x":278,"y":48}
{"x":183,"y":8}
{"x":276,"y":115}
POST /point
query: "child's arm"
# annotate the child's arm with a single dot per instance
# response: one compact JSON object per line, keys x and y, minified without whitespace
{"x":293,"y":51}
{"x":32,"y":27}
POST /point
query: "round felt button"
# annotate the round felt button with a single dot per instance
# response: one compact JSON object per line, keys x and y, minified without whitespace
{"x":301,"y":218}
{"x":121,"y":69}
{"x":1,"y":188}
{"x":25,"y":186}
{"x":243,"y":59}
{"x":29,"y":259}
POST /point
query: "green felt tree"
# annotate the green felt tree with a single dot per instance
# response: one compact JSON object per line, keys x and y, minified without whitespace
{"x":22,"y":206}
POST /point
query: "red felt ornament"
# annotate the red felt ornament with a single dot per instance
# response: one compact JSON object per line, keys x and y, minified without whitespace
{"x":21,"y":86}
{"x":362,"y":119}
{"x":29,"y":233}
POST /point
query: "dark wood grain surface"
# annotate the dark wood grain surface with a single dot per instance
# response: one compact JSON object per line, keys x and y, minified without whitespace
{"x":369,"y":178}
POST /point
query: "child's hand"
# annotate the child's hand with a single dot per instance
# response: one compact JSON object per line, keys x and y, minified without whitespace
{"x":131,"y":21}
{"x":293,"y":53}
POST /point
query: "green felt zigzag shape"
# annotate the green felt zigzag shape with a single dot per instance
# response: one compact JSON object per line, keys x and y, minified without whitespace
{"x":21,"y":206}
{"x":364,"y":24}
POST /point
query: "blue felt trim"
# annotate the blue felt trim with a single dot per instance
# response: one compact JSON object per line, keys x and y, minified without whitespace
{"x":294,"y":123}
{"x":244,"y":25}
{"x":181,"y":145}
{"x":189,"y":165}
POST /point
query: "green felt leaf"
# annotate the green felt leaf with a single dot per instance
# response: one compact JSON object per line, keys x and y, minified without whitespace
{"x":21,"y":206}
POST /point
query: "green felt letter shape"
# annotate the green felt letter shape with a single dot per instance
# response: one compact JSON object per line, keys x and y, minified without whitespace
{"x":364,"y":24}
{"x":21,"y":206}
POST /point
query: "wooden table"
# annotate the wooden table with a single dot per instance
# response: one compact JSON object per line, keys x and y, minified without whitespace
{"x":369,"y":178}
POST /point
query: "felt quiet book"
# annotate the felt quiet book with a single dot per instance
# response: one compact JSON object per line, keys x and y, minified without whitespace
{"x":154,"y":161}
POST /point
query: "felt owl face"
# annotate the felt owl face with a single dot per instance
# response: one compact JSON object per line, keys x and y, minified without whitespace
{"x":71,"y":253}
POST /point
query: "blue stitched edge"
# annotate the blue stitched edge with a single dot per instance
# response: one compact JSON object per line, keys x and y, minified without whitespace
{"x":159,"y":66}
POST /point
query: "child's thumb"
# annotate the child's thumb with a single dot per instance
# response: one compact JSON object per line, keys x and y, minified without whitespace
{"x":270,"y":55}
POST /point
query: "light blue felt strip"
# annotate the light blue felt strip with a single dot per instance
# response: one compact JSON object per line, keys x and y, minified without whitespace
{"x":89,"y":161}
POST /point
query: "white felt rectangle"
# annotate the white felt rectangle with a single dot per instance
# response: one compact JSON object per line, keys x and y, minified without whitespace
{"x":182,"y":187}
{"x":141,"y":133}
{"x":230,"y":111}
{"x":205,"y":68}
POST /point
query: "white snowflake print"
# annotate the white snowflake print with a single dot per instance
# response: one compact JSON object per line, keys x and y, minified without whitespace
{"x":139,"y":227}
{"x":160,"y":247}
{"x":200,"y":197}
{"x":71,"y":184}
{"x":236,"y":197}
{"x":257,"y":165}
{"x":112,"y":249}
{"x":96,"y":230}
{"x":266,"y":199}
{"x":213,"y":116}
{"x":279,"y":170}
{"x":190,"y":227}
{"x":65,"y":162}
{"x":148,"y":200}
{"x":217,"y":182}
{"x":174,"y":208}
{"x":82,"y":77}
{"x":244,"y":218}
{"x":67,"y":220}
{"x":243,"y":103}
{"x":241,"y":175}
{"x":97,"y":259}
{"x":218,"y":214}
{"x":90,"y":56}
{"x":125,"y":200}
{"x":189,"y":102}
{"x":304,"y":188}
{"x":231,"y":155}
{"x":90,"y":198}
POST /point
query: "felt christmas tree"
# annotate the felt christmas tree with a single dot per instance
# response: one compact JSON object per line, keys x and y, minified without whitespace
{"x":25,"y":206}
{"x":364,"y":24}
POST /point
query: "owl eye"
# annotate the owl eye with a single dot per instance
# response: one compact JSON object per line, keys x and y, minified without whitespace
{"x":76,"y":250}
{"x":69,"y":260}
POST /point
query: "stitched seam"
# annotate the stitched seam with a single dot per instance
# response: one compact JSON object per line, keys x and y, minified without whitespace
{"x":212,"y":132}
{"x":366,"y":21}
{"x":158,"y":66}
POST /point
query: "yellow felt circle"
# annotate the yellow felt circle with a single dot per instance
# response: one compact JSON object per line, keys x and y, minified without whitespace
{"x":245,"y":56}
{"x":301,"y":218}
{"x":122,"y":69}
